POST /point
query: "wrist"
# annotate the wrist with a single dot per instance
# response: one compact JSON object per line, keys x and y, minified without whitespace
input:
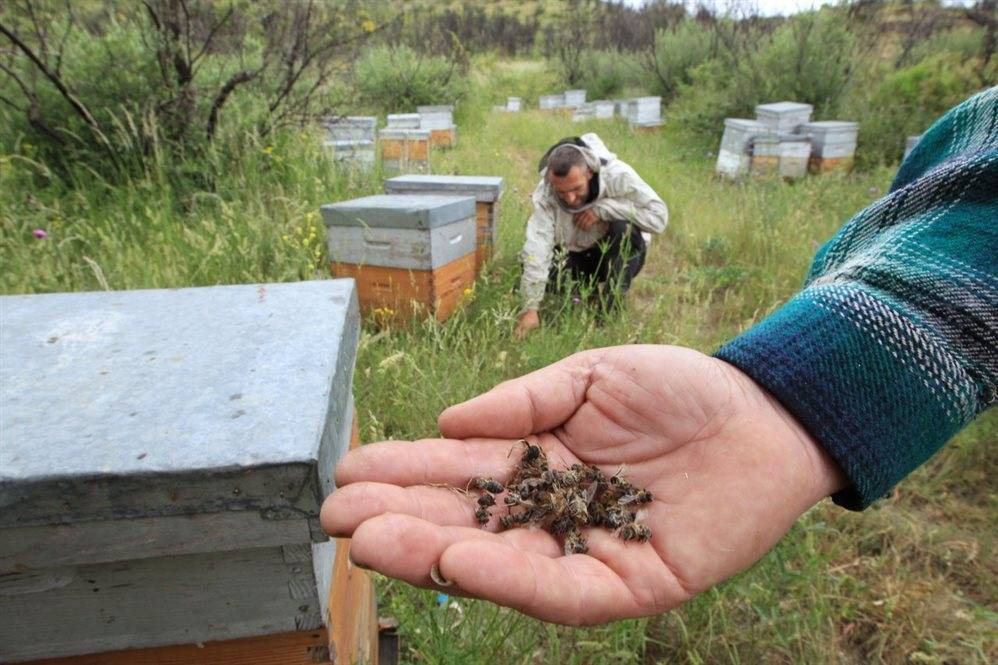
{"x":811,"y":471}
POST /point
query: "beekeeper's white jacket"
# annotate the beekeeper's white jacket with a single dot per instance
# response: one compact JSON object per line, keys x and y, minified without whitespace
{"x":622,"y":195}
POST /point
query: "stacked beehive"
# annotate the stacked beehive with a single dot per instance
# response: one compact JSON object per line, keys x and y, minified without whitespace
{"x":513,"y":104}
{"x":784,"y":122}
{"x":833,"y":145}
{"x":351,"y":140}
{"x":439,"y":120}
{"x":165,"y":454}
{"x":734,"y":157}
{"x":409,"y":254}
{"x":404,"y":149}
{"x":645,"y":114}
{"x":486,"y":191}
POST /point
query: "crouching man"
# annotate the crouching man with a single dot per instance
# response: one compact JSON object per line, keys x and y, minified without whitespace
{"x":589,"y":211}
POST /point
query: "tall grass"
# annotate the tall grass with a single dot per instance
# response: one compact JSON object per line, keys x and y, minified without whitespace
{"x":911,"y":580}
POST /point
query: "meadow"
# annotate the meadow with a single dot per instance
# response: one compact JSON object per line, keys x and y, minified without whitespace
{"x":912,"y":579}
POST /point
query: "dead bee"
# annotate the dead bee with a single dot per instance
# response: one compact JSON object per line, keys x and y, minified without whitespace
{"x":634,"y":531}
{"x":640,"y":496}
{"x":616,"y":518}
{"x":482,"y":515}
{"x":575,"y":543}
{"x":531,"y":454}
{"x":486,"y":500}
{"x":487,"y":485}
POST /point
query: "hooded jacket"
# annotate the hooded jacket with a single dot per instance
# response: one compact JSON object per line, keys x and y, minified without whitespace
{"x":622,"y":195}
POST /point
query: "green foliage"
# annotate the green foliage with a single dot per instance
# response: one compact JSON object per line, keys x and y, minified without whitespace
{"x":676,"y":51}
{"x":397,"y":79}
{"x":908,"y":101}
{"x":606,"y":74}
{"x":809,"y":58}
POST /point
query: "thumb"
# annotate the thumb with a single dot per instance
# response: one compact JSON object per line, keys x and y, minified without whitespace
{"x":536,"y":402}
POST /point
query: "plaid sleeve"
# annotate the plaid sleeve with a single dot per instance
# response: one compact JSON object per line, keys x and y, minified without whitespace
{"x":891,"y":347}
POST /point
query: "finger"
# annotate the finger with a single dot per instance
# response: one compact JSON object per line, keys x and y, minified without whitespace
{"x":407,"y":548}
{"x":536,"y":402}
{"x":346,"y":508}
{"x":427,"y":461}
{"x":575,"y":590}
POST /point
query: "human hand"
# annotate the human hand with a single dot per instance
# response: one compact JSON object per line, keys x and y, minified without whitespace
{"x":529,"y":320}
{"x":586,"y":219}
{"x":729,"y":468}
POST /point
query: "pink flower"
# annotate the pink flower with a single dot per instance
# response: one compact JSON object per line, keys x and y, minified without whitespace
{"x":41,"y":234}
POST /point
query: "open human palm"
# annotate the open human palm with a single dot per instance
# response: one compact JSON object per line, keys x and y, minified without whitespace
{"x":729,"y":468}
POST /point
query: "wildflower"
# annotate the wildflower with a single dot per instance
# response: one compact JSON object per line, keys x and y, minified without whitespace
{"x":367,"y":26}
{"x":41,"y":234}
{"x":268,"y":150}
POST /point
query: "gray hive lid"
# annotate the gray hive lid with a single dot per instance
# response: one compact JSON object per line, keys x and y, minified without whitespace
{"x":400,"y":211}
{"x":404,"y":133}
{"x":350,"y":143}
{"x":152,"y":403}
{"x":832,"y":126}
{"x":783,"y":108}
{"x":483,"y":188}
{"x":744,"y":124}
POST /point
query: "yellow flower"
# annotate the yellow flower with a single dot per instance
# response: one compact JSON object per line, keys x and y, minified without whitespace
{"x":268,"y":150}
{"x":367,"y":26}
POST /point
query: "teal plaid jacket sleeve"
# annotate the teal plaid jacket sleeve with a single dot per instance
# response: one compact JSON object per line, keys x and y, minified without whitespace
{"x":891,"y":347}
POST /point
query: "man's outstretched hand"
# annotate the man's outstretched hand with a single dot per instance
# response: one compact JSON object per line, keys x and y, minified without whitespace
{"x":729,"y":468}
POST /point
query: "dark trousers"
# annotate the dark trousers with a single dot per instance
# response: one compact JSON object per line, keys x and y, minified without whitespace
{"x":613,"y":262}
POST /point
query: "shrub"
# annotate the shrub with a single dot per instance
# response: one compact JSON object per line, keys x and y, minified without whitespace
{"x":397,"y":78}
{"x":674,"y":54}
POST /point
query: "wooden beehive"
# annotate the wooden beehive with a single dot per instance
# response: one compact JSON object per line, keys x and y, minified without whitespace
{"x":795,"y":153}
{"x":485,"y":189}
{"x":833,"y":145}
{"x":403,"y":121}
{"x":404,"y":150}
{"x":410,"y":254}
{"x":784,"y":117}
{"x":765,"y":154}
{"x":165,"y":456}
{"x":734,"y":156}
{"x":439,"y":120}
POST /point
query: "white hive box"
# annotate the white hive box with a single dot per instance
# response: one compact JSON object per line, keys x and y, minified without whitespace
{"x":551,"y":102}
{"x":573,"y":99}
{"x":784,"y":116}
{"x":513,"y":104}
{"x":407,"y":252}
{"x":486,"y":190}
{"x":403,"y":121}
{"x":165,"y":456}
{"x":833,"y":145}
{"x":646,"y":110}
{"x":353,"y":154}
{"x":404,"y":150}
{"x":351,"y":128}
{"x":583,"y":113}
{"x":602,"y":109}
{"x":734,"y":157}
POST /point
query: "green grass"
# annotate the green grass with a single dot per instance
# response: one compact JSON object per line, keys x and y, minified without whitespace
{"x":910,"y":580}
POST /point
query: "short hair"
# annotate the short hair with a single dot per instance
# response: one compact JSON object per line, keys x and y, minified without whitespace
{"x":563,"y":158}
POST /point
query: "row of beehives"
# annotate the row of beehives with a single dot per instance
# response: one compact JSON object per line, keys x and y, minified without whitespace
{"x":783,"y":140}
{"x":642,"y":113}
{"x":418,"y":248}
{"x":405,"y":142}
{"x":165,"y":456}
